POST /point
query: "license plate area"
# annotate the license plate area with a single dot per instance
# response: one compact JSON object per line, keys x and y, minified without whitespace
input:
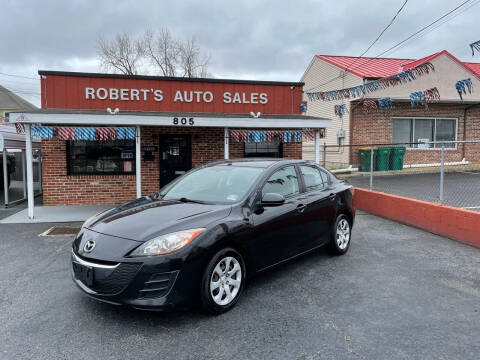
{"x":84,"y":273}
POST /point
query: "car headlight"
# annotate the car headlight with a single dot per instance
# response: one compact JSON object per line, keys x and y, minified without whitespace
{"x":168,"y":243}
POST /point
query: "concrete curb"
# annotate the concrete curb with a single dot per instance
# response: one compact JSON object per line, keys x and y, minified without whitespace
{"x":455,"y":223}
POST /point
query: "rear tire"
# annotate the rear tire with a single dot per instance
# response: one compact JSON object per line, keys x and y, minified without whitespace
{"x":341,"y":235}
{"x":223,"y":281}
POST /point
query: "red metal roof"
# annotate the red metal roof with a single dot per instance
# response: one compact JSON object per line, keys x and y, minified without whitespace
{"x":421,"y":61}
{"x":368,"y":67}
{"x":474,"y":67}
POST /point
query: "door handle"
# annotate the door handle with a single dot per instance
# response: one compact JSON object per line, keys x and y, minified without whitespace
{"x":301,"y":207}
{"x":332,"y":196}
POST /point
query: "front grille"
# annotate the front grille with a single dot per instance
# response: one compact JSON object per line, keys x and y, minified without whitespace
{"x":158,"y":285}
{"x":117,"y":280}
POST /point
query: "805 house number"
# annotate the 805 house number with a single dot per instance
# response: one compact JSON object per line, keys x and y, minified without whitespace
{"x":183,"y":121}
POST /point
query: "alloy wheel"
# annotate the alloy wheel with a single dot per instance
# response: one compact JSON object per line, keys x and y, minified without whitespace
{"x":226,"y":280}
{"x":343,"y":234}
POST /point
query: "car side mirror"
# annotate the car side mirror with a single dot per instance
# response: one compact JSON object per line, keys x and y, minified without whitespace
{"x":272,"y":199}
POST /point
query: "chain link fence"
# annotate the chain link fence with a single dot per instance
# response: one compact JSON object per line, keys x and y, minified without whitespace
{"x":440,"y":172}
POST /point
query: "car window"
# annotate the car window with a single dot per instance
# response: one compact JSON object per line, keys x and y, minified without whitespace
{"x":314,"y":178}
{"x":217,"y":184}
{"x":324,"y":177}
{"x":283,"y":182}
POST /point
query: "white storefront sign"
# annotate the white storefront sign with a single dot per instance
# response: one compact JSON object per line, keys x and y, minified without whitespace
{"x":182,"y":96}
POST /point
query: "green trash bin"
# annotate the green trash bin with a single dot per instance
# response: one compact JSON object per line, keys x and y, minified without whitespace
{"x":383,"y":158}
{"x":398,"y":153}
{"x":365,"y":158}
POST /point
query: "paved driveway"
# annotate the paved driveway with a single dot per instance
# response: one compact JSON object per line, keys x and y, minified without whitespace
{"x":399,"y":293}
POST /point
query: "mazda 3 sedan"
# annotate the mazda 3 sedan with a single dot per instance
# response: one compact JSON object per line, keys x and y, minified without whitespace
{"x":203,"y":235}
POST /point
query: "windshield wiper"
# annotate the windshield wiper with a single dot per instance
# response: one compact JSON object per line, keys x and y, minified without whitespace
{"x":154,"y":196}
{"x":186,"y":200}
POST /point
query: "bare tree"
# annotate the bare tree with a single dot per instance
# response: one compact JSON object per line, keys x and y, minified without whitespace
{"x":168,"y":56}
{"x":162,"y":50}
{"x":122,"y":54}
{"x":192,"y":62}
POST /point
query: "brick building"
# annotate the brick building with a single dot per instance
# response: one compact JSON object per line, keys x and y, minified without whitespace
{"x":449,"y":118}
{"x":110,"y":138}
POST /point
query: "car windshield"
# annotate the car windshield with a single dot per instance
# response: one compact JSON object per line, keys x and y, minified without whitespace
{"x":217,"y":184}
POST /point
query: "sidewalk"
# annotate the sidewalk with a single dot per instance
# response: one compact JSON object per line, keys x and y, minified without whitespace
{"x":46,"y":214}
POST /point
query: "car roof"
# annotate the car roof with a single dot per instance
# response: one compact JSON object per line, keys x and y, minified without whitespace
{"x":255,"y":162}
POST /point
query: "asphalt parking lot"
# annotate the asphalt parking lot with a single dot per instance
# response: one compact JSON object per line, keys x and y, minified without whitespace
{"x":461,"y":189}
{"x":398,"y":293}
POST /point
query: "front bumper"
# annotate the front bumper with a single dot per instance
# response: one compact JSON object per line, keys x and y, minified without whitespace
{"x":143,"y":285}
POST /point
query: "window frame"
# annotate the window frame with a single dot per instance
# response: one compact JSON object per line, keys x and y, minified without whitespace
{"x":412,"y":130}
{"x":70,"y":172}
{"x":301,"y":185}
{"x":304,"y":186}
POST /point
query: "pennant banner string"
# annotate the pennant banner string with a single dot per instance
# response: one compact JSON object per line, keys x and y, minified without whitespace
{"x":385,"y":103}
{"x":475,"y":46}
{"x":383,"y":83}
{"x":340,"y":110}
{"x":286,"y":136}
{"x":463,"y":86}
{"x":369,"y":105}
{"x":424,"y":97}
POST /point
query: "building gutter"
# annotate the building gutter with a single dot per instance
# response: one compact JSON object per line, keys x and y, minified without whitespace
{"x":151,"y":120}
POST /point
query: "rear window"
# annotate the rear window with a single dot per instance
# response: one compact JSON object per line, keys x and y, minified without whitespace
{"x":313,"y":178}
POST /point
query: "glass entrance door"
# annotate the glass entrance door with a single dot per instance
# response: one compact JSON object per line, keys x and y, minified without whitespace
{"x":175,"y":156}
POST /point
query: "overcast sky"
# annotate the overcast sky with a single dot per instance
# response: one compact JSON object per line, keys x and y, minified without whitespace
{"x":262,"y":40}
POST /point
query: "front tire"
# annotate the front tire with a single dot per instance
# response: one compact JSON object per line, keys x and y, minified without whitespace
{"x":223,"y":281}
{"x":341,"y":235}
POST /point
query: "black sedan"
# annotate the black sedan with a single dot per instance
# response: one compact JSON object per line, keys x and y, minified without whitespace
{"x":201,"y":236}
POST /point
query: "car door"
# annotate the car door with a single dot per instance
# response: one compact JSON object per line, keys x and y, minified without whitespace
{"x":276,"y":228}
{"x":320,"y":208}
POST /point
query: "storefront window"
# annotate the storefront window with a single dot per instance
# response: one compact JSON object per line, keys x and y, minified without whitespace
{"x":101,"y":157}
{"x":402,"y":131}
{"x":445,"y":131}
{"x":424,"y":131}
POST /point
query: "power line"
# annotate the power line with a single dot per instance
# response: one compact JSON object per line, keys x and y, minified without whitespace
{"x":19,"y":83}
{"x":379,"y":36}
{"x":19,"y":76}
{"x":14,"y":88}
{"x":20,"y":91}
{"x":396,"y":46}
{"x":447,"y":19}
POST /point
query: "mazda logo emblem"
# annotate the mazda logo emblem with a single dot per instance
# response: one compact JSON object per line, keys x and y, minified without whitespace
{"x":89,"y":246}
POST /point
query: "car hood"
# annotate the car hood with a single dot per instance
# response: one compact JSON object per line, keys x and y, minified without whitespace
{"x":145,"y":218}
